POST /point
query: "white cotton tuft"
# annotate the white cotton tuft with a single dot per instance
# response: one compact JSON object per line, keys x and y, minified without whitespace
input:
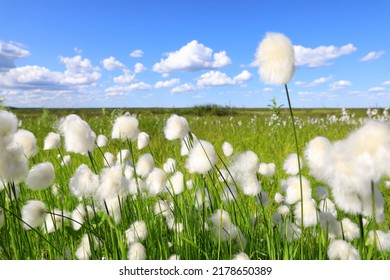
{"x":145,"y":165}
{"x":84,"y":250}
{"x":170,"y":165}
{"x":109,"y":159}
{"x":241,"y":256}
{"x":80,"y":214}
{"x":202,"y":198}
{"x":79,"y":138}
{"x":122,"y":156}
{"x":315,"y":152}
{"x":290,"y":164}
{"x":33,"y":214}
{"x":380,"y":239}
{"x":40,"y":176}
{"x":293,"y":191}
{"x":223,"y":228}
{"x":176,"y":127}
{"x":227,"y":149}
{"x":136,"y":252}
{"x":229,"y":194}
{"x":54,"y":220}
{"x":125,"y":128}
{"x":175,"y":184}
{"x":243,"y":170}
{"x":8,"y":127}
{"x":279,"y":198}
{"x":162,"y":207}
{"x":275,"y":57}
{"x":156,"y":181}
{"x":113,"y":186}
{"x":267,"y":169}
{"x":137,"y":232}
{"x":26,"y":139}
{"x":143,"y":140}
{"x":201,"y":158}
{"x":327,"y":206}
{"x":13,"y":164}
{"x":101,"y":140}
{"x":310,"y":216}
{"x":350,"y":229}
{"x":342,"y":250}
{"x":84,"y":183}
{"x":52,"y":141}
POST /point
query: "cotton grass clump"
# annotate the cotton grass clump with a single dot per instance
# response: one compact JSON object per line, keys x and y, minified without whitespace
{"x":14,"y":166}
{"x":9,"y":126}
{"x":137,"y":232}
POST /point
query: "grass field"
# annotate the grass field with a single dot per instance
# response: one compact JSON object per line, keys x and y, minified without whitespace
{"x":177,"y":212}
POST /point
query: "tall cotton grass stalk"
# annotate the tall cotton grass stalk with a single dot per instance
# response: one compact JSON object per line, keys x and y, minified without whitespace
{"x":276,"y":59}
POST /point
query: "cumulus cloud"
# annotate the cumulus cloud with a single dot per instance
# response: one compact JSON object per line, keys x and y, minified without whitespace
{"x":372,"y":56}
{"x":217,"y":78}
{"x":78,"y":73}
{"x":192,"y":57}
{"x":340,"y":84}
{"x":126,"y":78}
{"x":214,"y":78}
{"x":315,"y":82}
{"x":376,"y":89}
{"x":137,"y":53}
{"x":111,"y":63}
{"x":125,"y":89}
{"x":320,"y":56}
{"x":139,"y":67}
{"x":187,"y":87}
{"x":9,"y":53}
{"x":243,"y":77}
{"x":167,"y":83}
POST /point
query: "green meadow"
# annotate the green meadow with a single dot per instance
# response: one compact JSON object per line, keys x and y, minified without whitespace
{"x":267,"y":132}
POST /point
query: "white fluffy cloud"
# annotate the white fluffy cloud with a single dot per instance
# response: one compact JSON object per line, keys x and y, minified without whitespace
{"x":340,"y":84}
{"x":187,"y":87}
{"x":111,"y":63}
{"x":139,"y":67}
{"x":9,"y":53}
{"x":372,"y":56}
{"x":315,"y":82}
{"x":125,"y":89}
{"x":320,"y":56}
{"x":192,"y":57}
{"x":78,"y":73}
{"x":217,"y":78}
{"x":137,"y":53}
{"x":376,"y":89}
{"x":167,"y":83}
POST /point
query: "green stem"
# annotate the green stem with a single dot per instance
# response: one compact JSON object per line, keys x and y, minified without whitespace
{"x":298,"y":157}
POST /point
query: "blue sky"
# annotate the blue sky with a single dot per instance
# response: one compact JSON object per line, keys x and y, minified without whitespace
{"x":184,"y":53}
